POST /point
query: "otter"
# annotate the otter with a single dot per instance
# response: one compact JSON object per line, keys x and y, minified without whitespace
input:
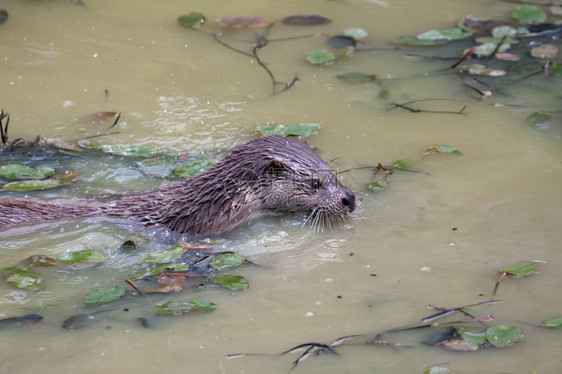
{"x":270,"y":175}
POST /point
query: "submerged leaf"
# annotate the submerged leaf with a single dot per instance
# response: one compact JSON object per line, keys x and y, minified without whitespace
{"x":445,"y":34}
{"x":341,"y":41}
{"x":377,"y":185}
{"x":86,"y":255}
{"x":242,"y":22}
{"x":528,"y":14}
{"x":39,"y":260}
{"x":17,"y":171}
{"x":3,"y":16}
{"x":501,"y":336}
{"x":227,"y":261}
{"x":481,"y":70}
{"x":540,"y":120}
{"x":23,"y":277}
{"x":163,"y":256}
{"x":105,"y":296}
{"x":522,"y":269}
{"x":234,"y":282}
{"x":461,"y":345}
{"x":357,"y":77}
{"x":299,"y":129}
{"x":545,"y":51}
{"x":474,"y":334}
{"x":193,"y":20}
{"x":414,"y":41}
{"x":177,"y":308}
{"x":553,"y":323}
{"x":403,"y":164}
{"x":306,"y":20}
{"x":320,"y":57}
{"x":135,"y":150}
{"x":194,"y":167}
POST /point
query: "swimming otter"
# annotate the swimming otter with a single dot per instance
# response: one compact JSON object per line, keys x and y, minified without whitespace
{"x":268,"y":175}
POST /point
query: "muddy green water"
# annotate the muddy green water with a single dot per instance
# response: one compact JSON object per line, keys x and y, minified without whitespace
{"x":437,"y":238}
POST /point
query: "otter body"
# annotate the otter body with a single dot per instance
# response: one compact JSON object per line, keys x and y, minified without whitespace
{"x":265,"y":176}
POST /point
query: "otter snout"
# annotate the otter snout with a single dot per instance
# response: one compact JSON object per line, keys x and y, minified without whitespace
{"x":348,"y":199}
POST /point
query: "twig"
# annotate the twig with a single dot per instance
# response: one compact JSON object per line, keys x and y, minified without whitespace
{"x":132,"y":284}
{"x":414,"y":110}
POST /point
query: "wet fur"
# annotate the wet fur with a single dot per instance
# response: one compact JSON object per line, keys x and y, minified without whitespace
{"x":269,"y":175}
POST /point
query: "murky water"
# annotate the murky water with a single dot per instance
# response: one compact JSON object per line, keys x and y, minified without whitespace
{"x":436,"y":237}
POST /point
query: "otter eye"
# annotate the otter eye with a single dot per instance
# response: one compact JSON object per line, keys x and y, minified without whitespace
{"x":315,"y":184}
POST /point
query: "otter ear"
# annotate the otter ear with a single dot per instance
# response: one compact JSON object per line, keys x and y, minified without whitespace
{"x":275,"y":168}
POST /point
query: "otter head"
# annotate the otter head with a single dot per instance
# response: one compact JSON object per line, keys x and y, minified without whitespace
{"x":296,"y":179}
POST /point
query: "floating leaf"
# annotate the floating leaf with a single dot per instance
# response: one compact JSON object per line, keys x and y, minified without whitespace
{"x":522,"y":269}
{"x":243,"y":22}
{"x":377,"y":185}
{"x":193,"y":20}
{"x":486,"y":49}
{"x":504,"y":31}
{"x":553,"y":323}
{"x":31,"y":185}
{"x":540,"y":120}
{"x":306,"y":20}
{"x":414,"y":41}
{"x":39,"y":260}
{"x":135,"y":150}
{"x":227,"y":261}
{"x":443,"y":149}
{"x":357,"y":77}
{"x":445,"y":34}
{"x":480,"y":70}
{"x":545,"y":51}
{"x":501,"y":336}
{"x":341,"y":41}
{"x":105,"y":296}
{"x":528,"y":14}
{"x":163,"y":256}
{"x":403,"y":164}
{"x":495,"y":41}
{"x":23,"y":277}
{"x":156,"y":270}
{"x":17,"y":171}
{"x":234,"y":282}
{"x":177,"y":308}
{"x":437,"y":370}
{"x":86,"y":255}
{"x":475,"y":335}
{"x":460,"y":345}
{"x":355,"y":33}
{"x":300,"y":129}
{"x":320,"y":57}
{"x":194,"y":167}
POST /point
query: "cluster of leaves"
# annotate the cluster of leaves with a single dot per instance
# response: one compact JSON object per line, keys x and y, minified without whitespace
{"x":173,"y":269}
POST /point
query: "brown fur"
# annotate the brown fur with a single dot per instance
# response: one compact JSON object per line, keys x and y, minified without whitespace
{"x":269,"y":175}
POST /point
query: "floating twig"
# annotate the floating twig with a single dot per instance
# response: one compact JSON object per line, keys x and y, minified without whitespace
{"x":133,"y":284}
{"x":414,"y":110}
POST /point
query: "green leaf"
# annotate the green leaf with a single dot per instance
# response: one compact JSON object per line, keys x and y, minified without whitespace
{"x":486,"y":49}
{"x":494,"y":41}
{"x":105,"y":296}
{"x":523,"y":268}
{"x":23,"y":277}
{"x":355,"y":33}
{"x":403,"y":164}
{"x":474,"y":334}
{"x":17,"y":171}
{"x":443,"y":149}
{"x":234,"y":282}
{"x":357,"y":77}
{"x":320,"y":57}
{"x":501,"y":31}
{"x":134,"y":150}
{"x":227,"y":261}
{"x":86,"y":255}
{"x":501,"y":336}
{"x":539,"y":120}
{"x":163,"y":256}
{"x":31,"y":185}
{"x":299,"y":129}
{"x":528,"y":14}
{"x":194,"y":167}
{"x":193,"y":20}
{"x":177,"y":308}
{"x":553,"y":323}
{"x":414,"y":41}
{"x":445,"y":34}
{"x":377,"y":185}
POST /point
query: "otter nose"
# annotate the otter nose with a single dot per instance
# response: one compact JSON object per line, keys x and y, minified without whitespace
{"x":348,"y":200}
